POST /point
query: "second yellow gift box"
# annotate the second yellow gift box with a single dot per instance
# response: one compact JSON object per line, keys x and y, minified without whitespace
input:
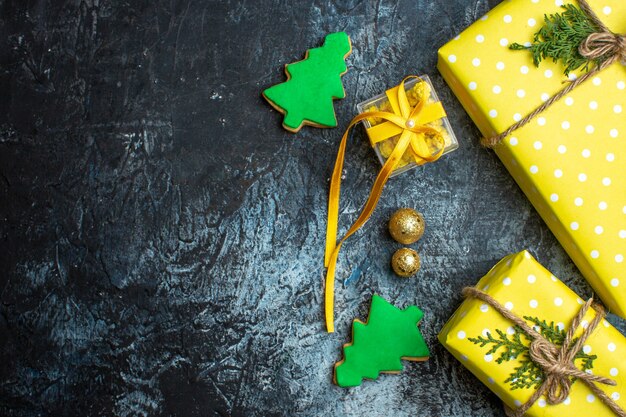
{"x":571,"y":160}
{"x":497,"y":351}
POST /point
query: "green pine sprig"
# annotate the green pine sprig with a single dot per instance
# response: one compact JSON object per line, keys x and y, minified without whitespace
{"x":527,"y":375}
{"x":511,"y":347}
{"x":560,"y":37}
{"x":550,"y":331}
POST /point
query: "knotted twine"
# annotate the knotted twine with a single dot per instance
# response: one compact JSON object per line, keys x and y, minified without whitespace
{"x":557,"y":362}
{"x":604,"y":44}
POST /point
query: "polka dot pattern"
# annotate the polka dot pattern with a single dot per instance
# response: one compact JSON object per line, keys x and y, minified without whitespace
{"x":569,"y":160}
{"x":520,"y":280}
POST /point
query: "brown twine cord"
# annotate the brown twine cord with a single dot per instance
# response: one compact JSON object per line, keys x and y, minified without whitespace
{"x":584,"y":6}
{"x":556,"y":362}
{"x":597,"y":45}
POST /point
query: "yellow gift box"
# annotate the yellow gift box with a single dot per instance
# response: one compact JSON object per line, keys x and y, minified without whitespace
{"x":571,"y":160}
{"x":526,"y":288}
{"x":384,"y":135}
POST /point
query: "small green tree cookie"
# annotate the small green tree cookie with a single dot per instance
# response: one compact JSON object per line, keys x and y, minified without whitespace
{"x":312,"y":84}
{"x":389,"y":335}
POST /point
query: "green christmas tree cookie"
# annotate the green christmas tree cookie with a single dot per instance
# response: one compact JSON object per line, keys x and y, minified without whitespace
{"x":312,"y":84}
{"x":389,"y":335}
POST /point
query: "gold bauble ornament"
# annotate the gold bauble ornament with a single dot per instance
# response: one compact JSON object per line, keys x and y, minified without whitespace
{"x":406,"y":226}
{"x":405,"y":262}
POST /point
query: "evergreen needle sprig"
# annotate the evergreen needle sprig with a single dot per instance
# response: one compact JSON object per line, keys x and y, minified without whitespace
{"x":528,"y":374}
{"x":560,"y":37}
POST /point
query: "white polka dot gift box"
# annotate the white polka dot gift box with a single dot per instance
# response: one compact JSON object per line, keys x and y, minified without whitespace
{"x":499,"y":352}
{"x":569,"y":160}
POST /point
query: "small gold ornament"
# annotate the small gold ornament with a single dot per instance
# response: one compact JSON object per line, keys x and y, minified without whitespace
{"x":406,"y":226}
{"x":405,"y":262}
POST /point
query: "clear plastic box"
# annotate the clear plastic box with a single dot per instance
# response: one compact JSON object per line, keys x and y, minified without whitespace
{"x":415,"y":90}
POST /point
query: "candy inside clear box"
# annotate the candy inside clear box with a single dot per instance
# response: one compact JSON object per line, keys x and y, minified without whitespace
{"x":416,"y":89}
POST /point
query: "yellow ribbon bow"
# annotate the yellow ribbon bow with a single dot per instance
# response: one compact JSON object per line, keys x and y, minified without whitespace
{"x":406,"y":121}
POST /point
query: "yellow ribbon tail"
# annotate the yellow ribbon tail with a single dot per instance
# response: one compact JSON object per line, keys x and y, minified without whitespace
{"x":368,"y":209}
{"x":329,"y":295}
{"x":335,"y":184}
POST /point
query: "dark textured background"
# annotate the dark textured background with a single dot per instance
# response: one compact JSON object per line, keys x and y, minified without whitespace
{"x":162,"y":235}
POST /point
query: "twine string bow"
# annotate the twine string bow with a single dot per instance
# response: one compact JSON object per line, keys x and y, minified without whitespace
{"x":408,"y":120}
{"x":606,"y":46}
{"x":602,"y":44}
{"x":556,"y":362}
